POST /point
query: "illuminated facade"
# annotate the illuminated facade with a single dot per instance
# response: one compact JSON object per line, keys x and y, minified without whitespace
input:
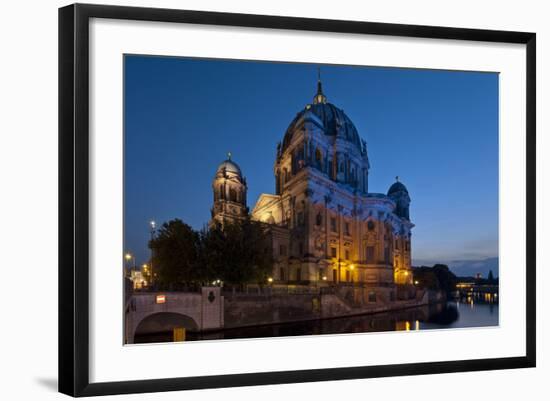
{"x":326,"y":226}
{"x":138,"y":279}
{"x":229,"y":188}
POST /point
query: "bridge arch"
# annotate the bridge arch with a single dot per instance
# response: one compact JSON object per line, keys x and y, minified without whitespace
{"x":157,"y":312}
{"x":162,"y":322}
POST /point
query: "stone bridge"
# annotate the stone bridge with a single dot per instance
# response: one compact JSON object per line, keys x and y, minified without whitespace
{"x":155,"y":312}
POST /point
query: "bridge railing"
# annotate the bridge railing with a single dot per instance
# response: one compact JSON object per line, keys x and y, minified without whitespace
{"x":270,"y":291}
{"x":148,"y":301}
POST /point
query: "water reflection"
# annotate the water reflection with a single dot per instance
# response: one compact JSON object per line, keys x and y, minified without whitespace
{"x":456,"y":314}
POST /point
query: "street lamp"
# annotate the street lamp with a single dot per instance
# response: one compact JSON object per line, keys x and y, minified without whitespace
{"x":152,"y":225}
{"x":129,"y":257}
{"x":145,"y":272}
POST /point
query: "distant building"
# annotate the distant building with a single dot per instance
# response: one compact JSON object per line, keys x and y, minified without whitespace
{"x":326,"y":227}
{"x":138,"y":279}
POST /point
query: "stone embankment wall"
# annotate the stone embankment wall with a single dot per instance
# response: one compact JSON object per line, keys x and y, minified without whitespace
{"x":252,"y":310}
{"x":241,"y":310}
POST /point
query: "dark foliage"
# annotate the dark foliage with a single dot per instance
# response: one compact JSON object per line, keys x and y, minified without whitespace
{"x":235,"y":253}
{"x":175,"y":254}
{"x":438,"y":277}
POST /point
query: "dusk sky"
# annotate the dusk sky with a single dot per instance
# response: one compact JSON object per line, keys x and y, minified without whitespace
{"x":436,"y":130}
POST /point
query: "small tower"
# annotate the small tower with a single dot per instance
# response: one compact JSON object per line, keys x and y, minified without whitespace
{"x":400,"y":195}
{"x":229,"y":188}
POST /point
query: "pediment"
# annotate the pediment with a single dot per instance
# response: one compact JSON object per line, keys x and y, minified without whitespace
{"x":265,"y":200}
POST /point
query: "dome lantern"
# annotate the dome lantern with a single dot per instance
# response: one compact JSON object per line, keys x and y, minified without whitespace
{"x":320,"y":97}
{"x":229,"y":166}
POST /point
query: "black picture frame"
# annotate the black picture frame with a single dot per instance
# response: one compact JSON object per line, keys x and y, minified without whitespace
{"x":74,"y":198}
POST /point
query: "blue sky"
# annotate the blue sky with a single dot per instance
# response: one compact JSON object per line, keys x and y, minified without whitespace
{"x":436,"y":130}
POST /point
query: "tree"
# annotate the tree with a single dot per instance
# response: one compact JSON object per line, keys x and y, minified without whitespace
{"x":438,"y":277}
{"x":446,"y":278}
{"x":175,"y":254}
{"x":426,"y":278}
{"x":237,"y":252}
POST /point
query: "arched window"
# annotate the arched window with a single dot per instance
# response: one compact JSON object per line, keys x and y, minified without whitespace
{"x":319,"y":159}
{"x":221,"y":192}
{"x":370,"y":225}
{"x":232,"y":195}
{"x":319,"y":219}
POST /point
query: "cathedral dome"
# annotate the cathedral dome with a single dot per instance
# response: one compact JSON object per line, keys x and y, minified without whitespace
{"x":335,"y":122}
{"x":397,"y":187}
{"x":229,"y":166}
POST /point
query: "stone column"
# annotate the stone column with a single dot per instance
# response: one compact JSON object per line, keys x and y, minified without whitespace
{"x":357,"y":236}
{"x":327,"y":233}
{"x":340,"y":241}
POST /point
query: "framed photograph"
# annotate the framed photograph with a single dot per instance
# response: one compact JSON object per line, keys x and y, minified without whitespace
{"x":250,"y":199}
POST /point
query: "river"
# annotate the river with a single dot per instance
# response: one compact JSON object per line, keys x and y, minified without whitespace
{"x":450,"y":315}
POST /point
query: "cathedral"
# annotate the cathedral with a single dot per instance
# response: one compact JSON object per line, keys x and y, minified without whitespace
{"x":324,"y":224}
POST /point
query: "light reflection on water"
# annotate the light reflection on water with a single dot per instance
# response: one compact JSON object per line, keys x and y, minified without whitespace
{"x":452,"y":315}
